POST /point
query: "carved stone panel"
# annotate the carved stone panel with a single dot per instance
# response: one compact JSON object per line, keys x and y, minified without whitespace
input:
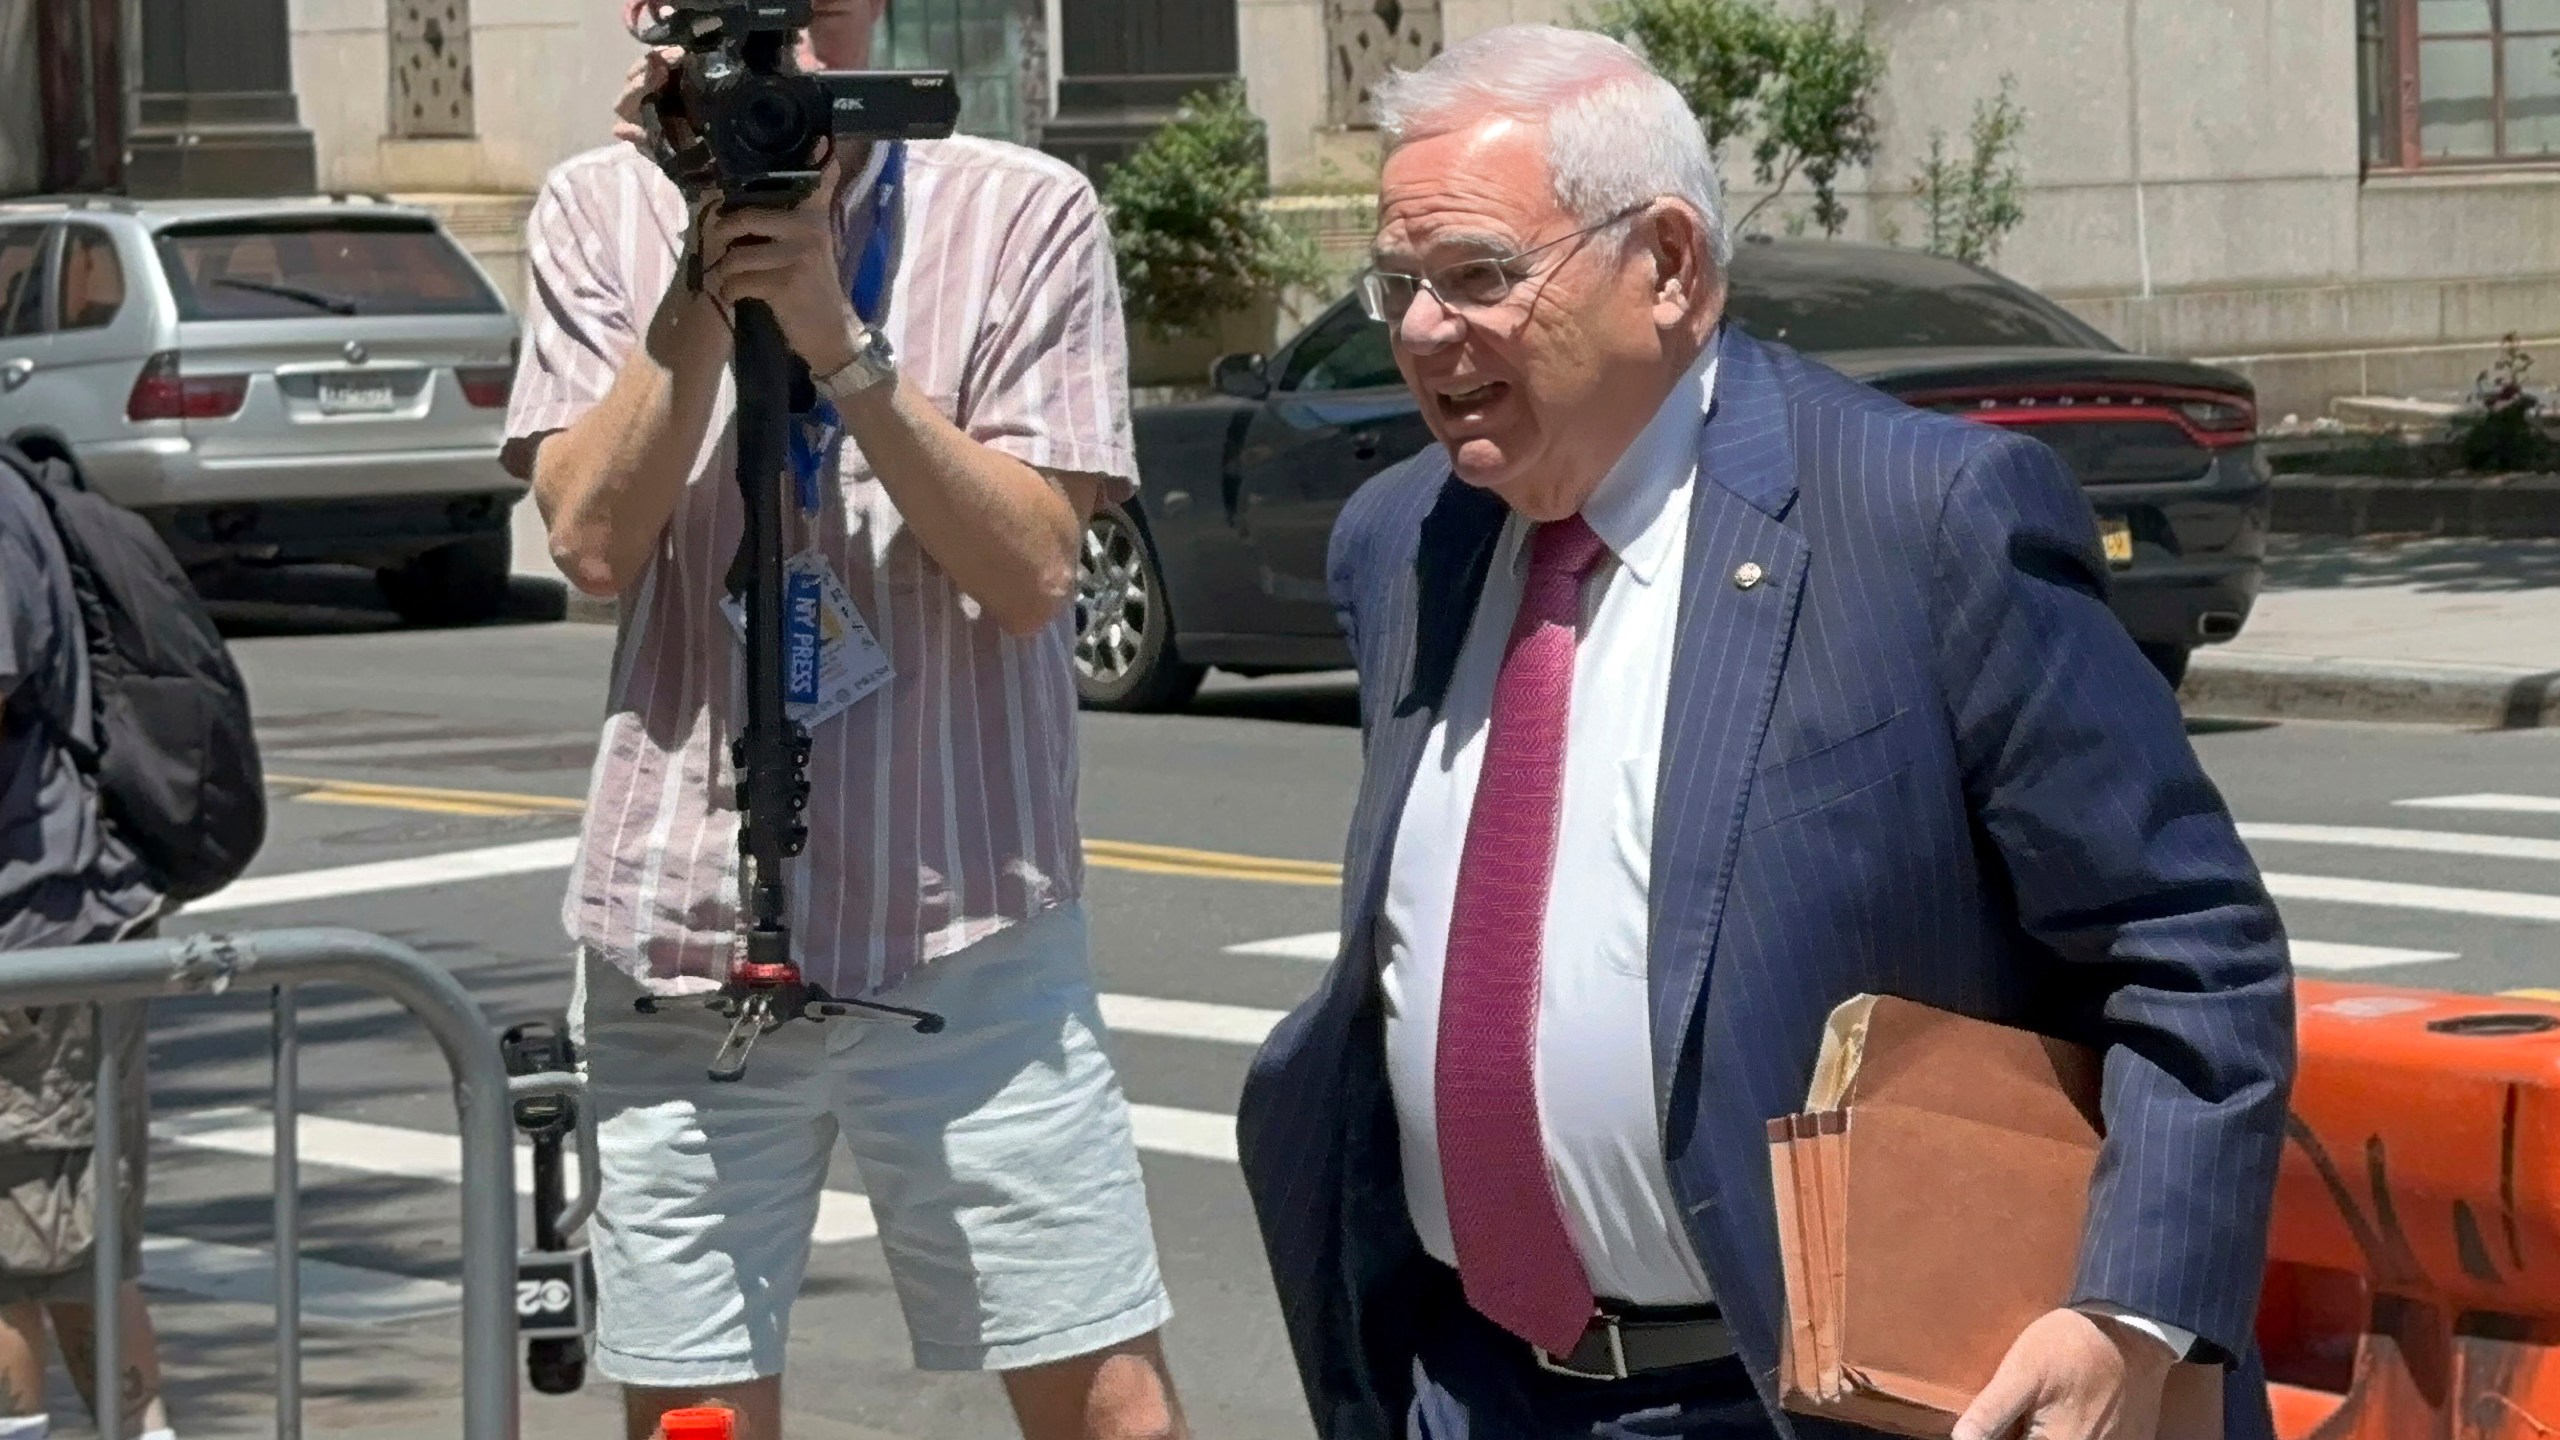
{"x":1364,"y":40}
{"x":430,"y":68}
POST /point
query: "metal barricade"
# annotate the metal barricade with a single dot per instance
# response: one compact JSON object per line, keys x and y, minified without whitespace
{"x":281,"y":961}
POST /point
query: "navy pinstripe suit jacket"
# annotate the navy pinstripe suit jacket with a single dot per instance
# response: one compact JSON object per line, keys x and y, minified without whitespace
{"x":1920,"y":758}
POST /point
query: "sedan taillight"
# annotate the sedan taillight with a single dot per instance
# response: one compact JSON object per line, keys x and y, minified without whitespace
{"x":486,"y":386}
{"x":161,"y":393}
{"x":2212,"y":419}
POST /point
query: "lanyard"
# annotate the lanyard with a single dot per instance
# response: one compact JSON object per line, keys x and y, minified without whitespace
{"x":814,"y":436}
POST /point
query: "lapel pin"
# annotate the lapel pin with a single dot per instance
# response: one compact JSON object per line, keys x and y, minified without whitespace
{"x":1748,"y":574}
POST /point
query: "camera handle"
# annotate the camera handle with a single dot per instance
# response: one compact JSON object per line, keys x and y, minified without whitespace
{"x":765,"y":989}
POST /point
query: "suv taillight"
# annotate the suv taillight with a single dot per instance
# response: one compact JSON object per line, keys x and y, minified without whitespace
{"x":161,"y":393}
{"x":486,"y":386}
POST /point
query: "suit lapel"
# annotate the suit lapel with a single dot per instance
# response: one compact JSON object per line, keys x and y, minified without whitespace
{"x":1739,"y":591}
{"x":1423,"y":626}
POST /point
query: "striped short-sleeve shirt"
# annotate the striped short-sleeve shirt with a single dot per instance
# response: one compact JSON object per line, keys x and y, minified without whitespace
{"x":944,"y":805}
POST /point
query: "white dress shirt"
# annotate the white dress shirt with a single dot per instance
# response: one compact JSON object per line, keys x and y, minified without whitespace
{"x":1595,"y":1046}
{"x":1595,"y":1040}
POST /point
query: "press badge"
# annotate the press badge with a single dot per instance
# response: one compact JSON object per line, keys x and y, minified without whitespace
{"x":829,"y":660}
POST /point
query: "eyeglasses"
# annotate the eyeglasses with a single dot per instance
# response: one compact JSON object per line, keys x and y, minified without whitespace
{"x":1467,"y":285}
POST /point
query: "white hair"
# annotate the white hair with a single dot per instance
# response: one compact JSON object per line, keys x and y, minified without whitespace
{"x":1618,"y":134}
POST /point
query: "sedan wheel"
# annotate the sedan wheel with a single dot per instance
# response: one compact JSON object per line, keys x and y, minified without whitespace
{"x":1125,"y":657}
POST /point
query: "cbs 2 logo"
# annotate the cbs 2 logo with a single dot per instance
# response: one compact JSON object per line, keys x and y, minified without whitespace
{"x":542,"y":1297}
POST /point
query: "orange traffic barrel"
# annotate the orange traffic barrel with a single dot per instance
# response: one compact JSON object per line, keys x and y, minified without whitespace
{"x":2413,"y":1283}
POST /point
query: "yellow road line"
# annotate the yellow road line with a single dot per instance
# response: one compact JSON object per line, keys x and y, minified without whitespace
{"x":1126,"y":855}
{"x":1216,"y":859}
{"x":1207,"y":872}
{"x":431,"y":807}
{"x":2550,"y":995}
{"x":420,"y":797}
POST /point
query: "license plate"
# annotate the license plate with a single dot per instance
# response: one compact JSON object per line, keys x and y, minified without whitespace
{"x":2117,"y":534}
{"x":357,"y":397}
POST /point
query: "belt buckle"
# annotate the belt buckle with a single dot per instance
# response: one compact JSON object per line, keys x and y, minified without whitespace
{"x":1617,"y":1355}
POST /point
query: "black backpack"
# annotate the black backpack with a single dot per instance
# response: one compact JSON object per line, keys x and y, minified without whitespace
{"x":175,"y":757}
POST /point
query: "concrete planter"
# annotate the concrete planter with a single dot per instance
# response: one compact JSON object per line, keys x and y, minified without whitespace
{"x":2485,"y":507}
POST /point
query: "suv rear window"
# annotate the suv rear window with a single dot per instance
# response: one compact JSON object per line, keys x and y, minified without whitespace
{"x":298,"y":268}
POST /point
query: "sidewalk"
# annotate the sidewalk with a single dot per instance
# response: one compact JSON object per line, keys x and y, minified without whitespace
{"x":2444,"y":632}
{"x":2454,"y":632}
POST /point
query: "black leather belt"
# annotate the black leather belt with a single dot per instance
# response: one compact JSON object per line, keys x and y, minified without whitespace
{"x":1625,"y":1341}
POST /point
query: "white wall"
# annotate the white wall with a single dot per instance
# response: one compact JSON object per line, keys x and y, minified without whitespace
{"x":545,"y":73}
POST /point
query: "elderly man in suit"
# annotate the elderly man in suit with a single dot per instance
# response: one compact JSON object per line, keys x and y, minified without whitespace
{"x":1701,"y":690}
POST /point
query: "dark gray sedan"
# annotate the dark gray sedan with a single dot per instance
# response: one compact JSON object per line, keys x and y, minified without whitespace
{"x":1220,"y":561}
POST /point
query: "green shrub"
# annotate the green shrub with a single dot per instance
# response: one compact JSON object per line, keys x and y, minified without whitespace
{"x":1188,"y":224}
{"x":2505,"y":437}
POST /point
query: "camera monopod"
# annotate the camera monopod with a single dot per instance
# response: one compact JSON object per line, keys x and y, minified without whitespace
{"x":738,"y":118}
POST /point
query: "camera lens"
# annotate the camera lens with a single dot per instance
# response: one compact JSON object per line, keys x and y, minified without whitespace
{"x":770,"y":122}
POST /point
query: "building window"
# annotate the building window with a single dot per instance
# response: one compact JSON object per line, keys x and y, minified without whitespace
{"x":2460,"y":82}
{"x":92,"y":280}
{"x":982,"y":42}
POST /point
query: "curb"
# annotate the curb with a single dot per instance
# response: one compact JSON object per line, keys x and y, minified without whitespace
{"x":2304,"y":687}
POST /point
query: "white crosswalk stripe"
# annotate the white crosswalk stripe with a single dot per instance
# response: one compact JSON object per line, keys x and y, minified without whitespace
{"x":1319,"y":945}
{"x":2440,"y":899}
{"x":2419,"y":842}
{"x":2330,"y":955}
{"x":2509,"y":804}
{"x":408,"y":1154}
{"x":449,"y":868}
{"x":1188,"y":1019}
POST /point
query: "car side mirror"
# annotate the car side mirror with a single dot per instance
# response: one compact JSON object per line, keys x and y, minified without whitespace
{"x":1240,"y":376}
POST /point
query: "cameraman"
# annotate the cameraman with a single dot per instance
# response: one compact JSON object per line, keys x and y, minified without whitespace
{"x":943,"y":869}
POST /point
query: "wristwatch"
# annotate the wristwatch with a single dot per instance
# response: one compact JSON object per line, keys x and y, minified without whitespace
{"x":873,"y":362}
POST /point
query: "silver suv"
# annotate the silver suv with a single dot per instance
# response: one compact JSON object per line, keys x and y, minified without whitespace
{"x":270,"y":381}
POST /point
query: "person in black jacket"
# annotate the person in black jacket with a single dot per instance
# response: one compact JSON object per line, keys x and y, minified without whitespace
{"x":65,"y":879}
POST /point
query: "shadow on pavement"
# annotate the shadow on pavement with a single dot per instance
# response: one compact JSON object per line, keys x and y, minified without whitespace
{"x":219,"y":1364}
{"x":1336,"y":702}
{"x":1329,"y":700}
{"x":2225,"y":725}
{"x":343,"y":600}
{"x":2320,"y":562}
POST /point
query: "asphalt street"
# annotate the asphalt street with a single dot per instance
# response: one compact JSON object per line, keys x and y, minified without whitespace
{"x":427,"y":784}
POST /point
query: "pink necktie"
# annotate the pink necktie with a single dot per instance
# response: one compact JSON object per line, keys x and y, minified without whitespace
{"x":1515,"y":1256}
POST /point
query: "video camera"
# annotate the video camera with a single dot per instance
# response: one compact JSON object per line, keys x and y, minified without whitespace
{"x":742,"y":119}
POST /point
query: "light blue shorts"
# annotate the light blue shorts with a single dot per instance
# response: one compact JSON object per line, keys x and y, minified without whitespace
{"x":997,"y":1156}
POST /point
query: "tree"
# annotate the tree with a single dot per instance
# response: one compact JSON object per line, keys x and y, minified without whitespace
{"x":1969,"y":205}
{"x":1803,"y":90}
{"x":1189,"y":228}
{"x":1818,"y":116}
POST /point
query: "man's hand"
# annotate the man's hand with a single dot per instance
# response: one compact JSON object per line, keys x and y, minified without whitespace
{"x":788,"y":260}
{"x":649,"y":75}
{"x":2073,"y":1376}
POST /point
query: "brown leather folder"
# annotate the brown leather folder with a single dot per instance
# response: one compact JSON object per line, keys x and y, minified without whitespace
{"x":1930,"y":1202}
